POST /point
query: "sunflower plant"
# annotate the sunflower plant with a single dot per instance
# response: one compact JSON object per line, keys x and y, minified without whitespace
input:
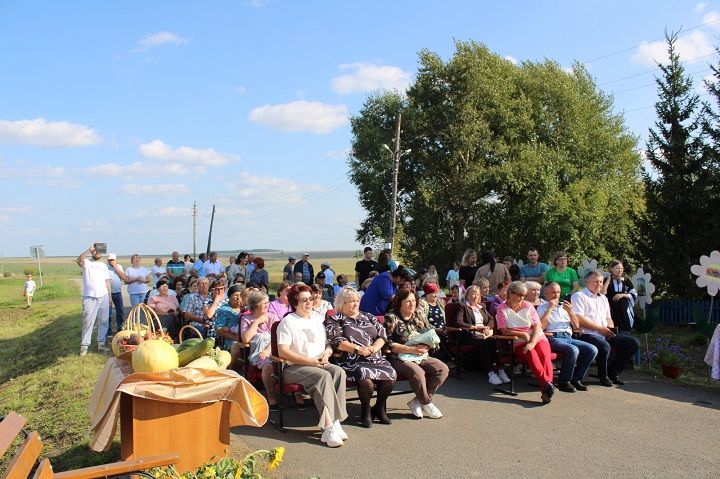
{"x":251,"y":466}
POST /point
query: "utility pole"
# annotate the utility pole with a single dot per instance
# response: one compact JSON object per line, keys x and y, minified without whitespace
{"x":212,"y":220}
{"x":396,"y":154}
{"x":194,"y":215}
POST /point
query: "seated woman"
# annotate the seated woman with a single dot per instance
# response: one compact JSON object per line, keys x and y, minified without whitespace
{"x":319,"y":305}
{"x":302,"y":342}
{"x":516,"y":317}
{"x":227,"y":318}
{"x":280,"y":306}
{"x":217,"y":288}
{"x":533,"y":293}
{"x":359,"y":337}
{"x":430,"y":308}
{"x":255,"y":329}
{"x":477,"y":326}
{"x":425,"y":376}
{"x":166,"y":307}
{"x":498,"y":299}
{"x":259,"y":275}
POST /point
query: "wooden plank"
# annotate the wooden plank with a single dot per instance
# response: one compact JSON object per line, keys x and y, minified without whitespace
{"x":25,"y":457}
{"x":10,"y":427}
{"x":44,"y":471}
{"x":117,"y":468}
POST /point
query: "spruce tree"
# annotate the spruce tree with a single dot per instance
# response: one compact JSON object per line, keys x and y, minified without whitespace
{"x":675,"y":233}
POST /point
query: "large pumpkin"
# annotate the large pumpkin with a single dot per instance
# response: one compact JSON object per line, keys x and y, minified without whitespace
{"x":154,"y":356}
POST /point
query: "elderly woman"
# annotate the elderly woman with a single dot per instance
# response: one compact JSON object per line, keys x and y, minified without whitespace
{"x":255,"y":329}
{"x":192,"y":287}
{"x":477,"y":325}
{"x":426,"y":375}
{"x":517,"y":317}
{"x":533,"y":293}
{"x":302,"y":342}
{"x":227,"y":317}
{"x":136,"y":277}
{"x":259,"y":275}
{"x":280,"y":306}
{"x":359,"y":339}
{"x":166,"y":307}
{"x":563,"y":275}
{"x":319,"y":305}
{"x":430,"y":308}
{"x":218,"y":288}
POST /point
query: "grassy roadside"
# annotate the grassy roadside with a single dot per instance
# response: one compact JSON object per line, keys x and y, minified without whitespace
{"x":41,"y":375}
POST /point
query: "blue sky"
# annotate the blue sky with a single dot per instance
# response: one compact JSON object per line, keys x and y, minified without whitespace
{"x":116,"y":116}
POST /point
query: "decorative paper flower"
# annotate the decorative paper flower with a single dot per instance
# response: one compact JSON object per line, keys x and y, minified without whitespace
{"x":586,"y":266}
{"x":644,"y":287}
{"x":708,"y":272}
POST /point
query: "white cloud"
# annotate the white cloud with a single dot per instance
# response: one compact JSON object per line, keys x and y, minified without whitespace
{"x":713,"y":19}
{"x":241,"y":89}
{"x":137,"y":170}
{"x":61,"y":182}
{"x":568,"y":70}
{"x":511,"y":59}
{"x":700,"y":7}
{"x":313,"y":117}
{"x":154,"y":190}
{"x":159,"y":150}
{"x":691,"y":49}
{"x":247,"y":188}
{"x":161,"y":38}
{"x":369,"y":77}
{"x":47,"y":134}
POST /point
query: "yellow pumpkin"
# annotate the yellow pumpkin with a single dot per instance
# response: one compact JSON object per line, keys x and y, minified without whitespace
{"x":154,"y":356}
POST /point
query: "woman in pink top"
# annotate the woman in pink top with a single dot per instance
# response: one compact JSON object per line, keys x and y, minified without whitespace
{"x":517,"y":317}
{"x":280,"y":306}
{"x":166,"y":307}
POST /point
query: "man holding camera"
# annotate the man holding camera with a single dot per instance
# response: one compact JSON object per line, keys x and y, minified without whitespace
{"x":96,"y":298}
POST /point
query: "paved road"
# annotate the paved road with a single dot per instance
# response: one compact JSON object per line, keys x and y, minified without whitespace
{"x":643,"y":429}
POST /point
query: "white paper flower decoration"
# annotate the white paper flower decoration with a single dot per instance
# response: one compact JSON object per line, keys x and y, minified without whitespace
{"x":644,"y":287}
{"x":586,"y":266}
{"x":708,"y":272}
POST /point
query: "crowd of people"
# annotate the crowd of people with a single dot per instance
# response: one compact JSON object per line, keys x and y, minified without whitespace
{"x":392,"y":322}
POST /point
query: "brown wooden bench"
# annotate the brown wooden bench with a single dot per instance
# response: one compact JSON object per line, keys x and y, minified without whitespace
{"x":25,"y":459}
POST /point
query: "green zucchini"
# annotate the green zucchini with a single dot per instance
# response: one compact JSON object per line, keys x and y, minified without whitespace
{"x":186,"y":356}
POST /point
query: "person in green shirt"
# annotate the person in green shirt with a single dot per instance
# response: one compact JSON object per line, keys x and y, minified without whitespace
{"x":563,"y":275}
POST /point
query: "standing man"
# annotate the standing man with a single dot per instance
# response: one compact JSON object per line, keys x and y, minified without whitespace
{"x":250,"y":264}
{"x":29,"y":289}
{"x":533,"y":270}
{"x":96,"y":299}
{"x":288,"y":269}
{"x":307,"y":270}
{"x":115,"y":292}
{"x":232,"y":270}
{"x":213,"y":266}
{"x":364,"y":266}
{"x":158,"y":271}
{"x":329,"y":273}
{"x":593,"y":311}
{"x":199,"y":265}
{"x":175,"y":269}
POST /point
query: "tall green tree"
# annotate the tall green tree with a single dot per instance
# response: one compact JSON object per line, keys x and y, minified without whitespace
{"x":503,"y":157}
{"x":675,"y":228}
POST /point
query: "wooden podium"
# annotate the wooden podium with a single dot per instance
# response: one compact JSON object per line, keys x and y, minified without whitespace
{"x":197,"y":431}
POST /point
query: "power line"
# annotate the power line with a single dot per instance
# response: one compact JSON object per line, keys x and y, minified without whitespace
{"x":653,"y":70}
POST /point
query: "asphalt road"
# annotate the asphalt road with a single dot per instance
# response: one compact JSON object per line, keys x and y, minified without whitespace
{"x":643,"y":429}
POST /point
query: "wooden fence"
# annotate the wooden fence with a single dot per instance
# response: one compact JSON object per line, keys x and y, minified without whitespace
{"x":680,"y":311}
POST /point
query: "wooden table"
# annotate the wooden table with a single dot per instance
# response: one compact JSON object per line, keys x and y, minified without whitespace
{"x":197,"y":431}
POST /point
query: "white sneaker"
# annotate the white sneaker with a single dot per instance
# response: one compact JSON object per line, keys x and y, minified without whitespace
{"x":494,"y":379}
{"x":416,"y":408}
{"x":83,"y":350}
{"x":340,"y":430}
{"x":503,"y":376}
{"x":432,"y":411}
{"x":331,"y":437}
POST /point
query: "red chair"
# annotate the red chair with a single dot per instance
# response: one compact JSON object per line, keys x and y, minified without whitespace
{"x":454,"y":336}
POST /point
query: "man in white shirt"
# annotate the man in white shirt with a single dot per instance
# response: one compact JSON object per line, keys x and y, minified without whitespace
{"x":96,"y":299}
{"x":593,"y":312}
{"x":213,"y":266}
{"x":158,"y":270}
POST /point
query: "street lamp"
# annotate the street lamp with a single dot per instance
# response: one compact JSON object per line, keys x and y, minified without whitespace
{"x":396,"y":155}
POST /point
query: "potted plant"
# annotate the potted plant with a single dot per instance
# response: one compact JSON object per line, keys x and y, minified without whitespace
{"x":670,"y":357}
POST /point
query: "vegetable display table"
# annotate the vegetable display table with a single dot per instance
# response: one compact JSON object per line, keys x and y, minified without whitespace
{"x":197,"y":432}
{"x":185,"y":410}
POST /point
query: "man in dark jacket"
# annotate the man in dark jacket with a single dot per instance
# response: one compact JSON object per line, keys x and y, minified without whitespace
{"x":303,"y":266}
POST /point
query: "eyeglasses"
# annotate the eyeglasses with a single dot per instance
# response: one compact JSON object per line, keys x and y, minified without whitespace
{"x":219,"y":288}
{"x":522,"y":295}
{"x":305,"y":299}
